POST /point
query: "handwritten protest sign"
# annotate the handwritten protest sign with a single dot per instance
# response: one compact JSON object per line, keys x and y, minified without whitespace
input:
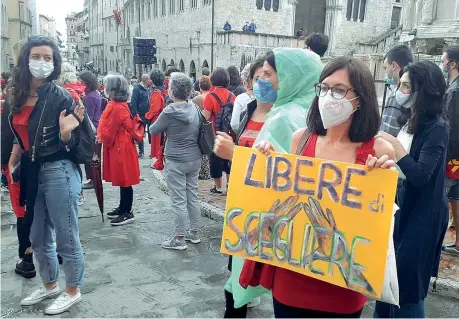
{"x":324,"y":219}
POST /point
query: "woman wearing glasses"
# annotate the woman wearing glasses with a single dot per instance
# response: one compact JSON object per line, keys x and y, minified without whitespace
{"x":47,"y":134}
{"x":343,"y":121}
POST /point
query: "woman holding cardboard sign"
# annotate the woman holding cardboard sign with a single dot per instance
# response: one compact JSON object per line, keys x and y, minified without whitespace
{"x":421,"y":222}
{"x":342,"y":123}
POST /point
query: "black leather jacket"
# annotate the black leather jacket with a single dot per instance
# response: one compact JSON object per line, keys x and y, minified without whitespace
{"x":43,"y":125}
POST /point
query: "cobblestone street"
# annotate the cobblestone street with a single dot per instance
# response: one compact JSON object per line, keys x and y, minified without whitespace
{"x":128,"y":274}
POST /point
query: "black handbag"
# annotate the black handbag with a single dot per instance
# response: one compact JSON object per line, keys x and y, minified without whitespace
{"x":206,"y":137}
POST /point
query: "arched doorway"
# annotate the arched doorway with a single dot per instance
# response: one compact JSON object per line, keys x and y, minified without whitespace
{"x":182,"y":66}
{"x":172,"y":63}
{"x":163,"y":66}
{"x":193,"y":71}
{"x":205,"y":64}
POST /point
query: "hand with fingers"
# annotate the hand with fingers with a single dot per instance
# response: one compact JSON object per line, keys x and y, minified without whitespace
{"x":224,"y":146}
{"x":265,"y":147}
{"x":382,"y":162}
{"x":68,"y":123}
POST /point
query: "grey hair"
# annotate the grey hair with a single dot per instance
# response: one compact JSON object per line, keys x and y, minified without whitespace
{"x":157,"y":77}
{"x":145,"y":77}
{"x":116,"y":87}
{"x":245,"y":73}
{"x":68,"y":74}
{"x":180,"y":86}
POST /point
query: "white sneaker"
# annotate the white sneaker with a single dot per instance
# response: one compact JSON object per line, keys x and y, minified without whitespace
{"x":39,"y":295}
{"x":254,"y":303}
{"x":63,"y":303}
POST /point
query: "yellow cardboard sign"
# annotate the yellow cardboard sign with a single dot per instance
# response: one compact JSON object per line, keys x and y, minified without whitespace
{"x":324,"y":219}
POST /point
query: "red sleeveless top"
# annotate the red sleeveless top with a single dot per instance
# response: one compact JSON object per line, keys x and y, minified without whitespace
{"x":296,"y":290}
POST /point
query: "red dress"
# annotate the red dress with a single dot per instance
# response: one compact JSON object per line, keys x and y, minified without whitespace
{"x":157,"y":105}
{"x":299,"y":291}
{"x":120,"y":159}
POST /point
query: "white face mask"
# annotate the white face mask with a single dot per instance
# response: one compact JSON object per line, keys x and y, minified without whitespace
{"x":333,"y":111}
{"x":402,"y":98}
{"x":41,"y":69}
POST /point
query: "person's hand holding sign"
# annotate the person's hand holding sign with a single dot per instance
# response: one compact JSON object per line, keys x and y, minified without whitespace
{"x":387,"y":152}
{"x":224,"y":146}
{"x":265,"y":147}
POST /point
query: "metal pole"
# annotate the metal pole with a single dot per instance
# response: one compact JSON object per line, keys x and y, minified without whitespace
{"x":140,"y":26}
{"x":117,"y":39}
{"x":212,"y":38}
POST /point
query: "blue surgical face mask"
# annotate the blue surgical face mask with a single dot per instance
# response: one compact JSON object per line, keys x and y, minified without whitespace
{"x":390,"y":81}
{"x":264,"y":91}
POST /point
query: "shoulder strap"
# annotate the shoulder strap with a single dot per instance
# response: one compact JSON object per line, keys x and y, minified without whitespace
{"x":217,"y":98}
{"x":230,"y":96}
{"x":303,"y":141}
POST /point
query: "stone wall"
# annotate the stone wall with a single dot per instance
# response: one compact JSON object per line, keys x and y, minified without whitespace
{"x":348,"y":33}
{"x":186,"y":36}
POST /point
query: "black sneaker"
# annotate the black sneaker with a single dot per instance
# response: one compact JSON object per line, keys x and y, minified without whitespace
{"x":123,"y":219}
{"x":114,"y":213}
{"x":215,"y":190}
{"x":25,"y":269}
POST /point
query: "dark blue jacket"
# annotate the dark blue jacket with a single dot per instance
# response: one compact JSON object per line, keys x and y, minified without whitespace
{"x":140,"y":101}
{"x":421,"y":222}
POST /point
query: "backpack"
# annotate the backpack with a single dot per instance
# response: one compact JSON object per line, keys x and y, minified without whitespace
{"x":206,"y":136}
{"x":84,"y":150}
{"x":223,"y":118}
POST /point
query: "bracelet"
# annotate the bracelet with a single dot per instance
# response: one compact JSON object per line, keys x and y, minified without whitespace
{"x":17,"y":154}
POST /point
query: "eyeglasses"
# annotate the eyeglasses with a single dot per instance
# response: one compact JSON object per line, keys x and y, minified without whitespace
{"x":338,"y":91}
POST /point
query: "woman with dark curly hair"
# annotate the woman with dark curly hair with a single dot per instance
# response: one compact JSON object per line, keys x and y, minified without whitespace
{"x":47,"y":133}
{"x":121,"y":163}
{"x":423,"y":204}
{"x":235,"y":84}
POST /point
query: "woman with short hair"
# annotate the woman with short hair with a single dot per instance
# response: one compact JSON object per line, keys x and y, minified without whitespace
{"x":120,"y":161}
{"x":180,"y":121}
{"x":92,"y":102}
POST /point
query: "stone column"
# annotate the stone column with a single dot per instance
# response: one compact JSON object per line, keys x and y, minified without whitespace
{"x":333,"y":18}
{"x":456,"y":16}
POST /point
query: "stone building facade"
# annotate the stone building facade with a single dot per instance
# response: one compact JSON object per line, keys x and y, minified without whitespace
{"x":75,"y":36}
{"x":19,"y":25}
{"x":183,"y":29}
{"x":431,"y":25}
{"x":46,"y":26}
{"x":5,"y":61}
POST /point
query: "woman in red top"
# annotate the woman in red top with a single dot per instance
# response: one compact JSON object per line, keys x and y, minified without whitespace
{"x":343,"y":121}
{"x":220,"y":81}
{"x":121,"y":163}
{"x":157,"y":104}
{"x":251,"y":122}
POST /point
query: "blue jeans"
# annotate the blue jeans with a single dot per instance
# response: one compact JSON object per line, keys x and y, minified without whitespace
{"x":411,"y":310}
{"x":56,"y":207}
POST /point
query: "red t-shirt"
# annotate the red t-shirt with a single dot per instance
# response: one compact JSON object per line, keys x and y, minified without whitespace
{"x":296,"y":290}
{"x":212,"y":105}
{"x":452,"y":169}
{"x":21,"y":125}
{"x":250,"y":133}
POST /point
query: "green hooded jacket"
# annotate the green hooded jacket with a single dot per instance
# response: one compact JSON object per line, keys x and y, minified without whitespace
{"x":297,"y":72}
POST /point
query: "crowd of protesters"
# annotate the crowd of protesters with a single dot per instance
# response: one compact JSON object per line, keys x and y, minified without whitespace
{"x":274,"y":102}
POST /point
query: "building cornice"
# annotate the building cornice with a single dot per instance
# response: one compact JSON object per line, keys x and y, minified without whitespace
{"x":20,"y":21}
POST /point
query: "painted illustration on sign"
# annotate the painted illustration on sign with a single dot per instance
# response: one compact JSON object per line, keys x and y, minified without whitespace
{"x":323,"y":219}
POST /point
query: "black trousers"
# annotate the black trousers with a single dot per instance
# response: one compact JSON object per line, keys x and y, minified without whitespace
{"x":88,"y":171}
{"x":23,"y":225}
{"x":284,"y":311}
{"x":126,"y":199}
{"x":230,"y":311}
